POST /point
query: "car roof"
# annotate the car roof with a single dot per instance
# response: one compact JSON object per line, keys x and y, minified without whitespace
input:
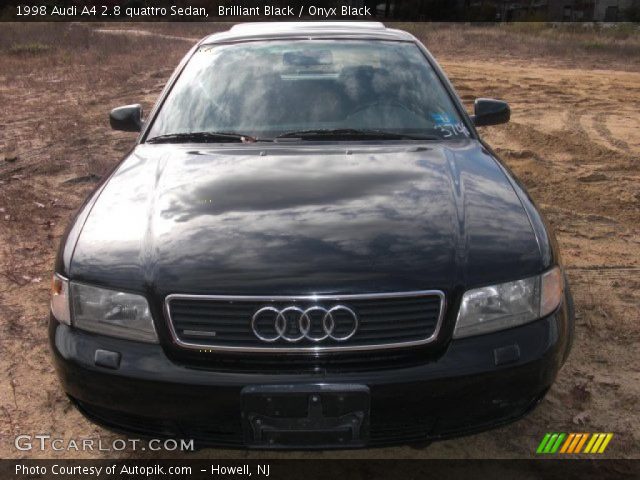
{"x":274,"y":30}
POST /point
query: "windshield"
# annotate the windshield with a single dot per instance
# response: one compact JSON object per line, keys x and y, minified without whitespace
{"x":277,"y":88}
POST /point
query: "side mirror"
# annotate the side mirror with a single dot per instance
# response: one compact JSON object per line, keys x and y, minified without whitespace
{"x":127,"y":118}
{"x":490,"y":112}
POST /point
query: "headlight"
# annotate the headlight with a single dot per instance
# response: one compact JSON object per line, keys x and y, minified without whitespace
{"x":60,"y":299}
{"x":113,"y":313}
{"x":510,"y":304}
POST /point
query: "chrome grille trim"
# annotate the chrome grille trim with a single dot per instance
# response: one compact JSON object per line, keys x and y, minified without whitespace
{"x":314,"y":349}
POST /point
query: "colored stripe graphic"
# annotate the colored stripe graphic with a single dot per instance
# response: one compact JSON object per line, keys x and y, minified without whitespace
{"x":556,"y":445}
{"x":581,"y":442}
{"x":566,"y":444}
{"x":596,"y":445}
{"x":593,"y":439}
{"x":573,"y":443}
{"x":600,"y":442}
{"x":550,"y":443}
{"x":543,"y":443}
{"x":605,"y":442}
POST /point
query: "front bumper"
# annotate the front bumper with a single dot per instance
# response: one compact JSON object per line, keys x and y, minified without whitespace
{"x":478,"y":383}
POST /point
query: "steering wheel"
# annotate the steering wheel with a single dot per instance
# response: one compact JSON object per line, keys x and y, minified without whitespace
{"x":392,"y":102}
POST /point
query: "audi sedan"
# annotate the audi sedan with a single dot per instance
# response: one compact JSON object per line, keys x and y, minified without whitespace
{"x":309,"y":246}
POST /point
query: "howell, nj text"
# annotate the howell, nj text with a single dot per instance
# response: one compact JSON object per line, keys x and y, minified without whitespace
{"x":240,"y":470}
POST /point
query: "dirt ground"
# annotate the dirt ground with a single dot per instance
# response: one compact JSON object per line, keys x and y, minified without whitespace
{"x":574,"y":141}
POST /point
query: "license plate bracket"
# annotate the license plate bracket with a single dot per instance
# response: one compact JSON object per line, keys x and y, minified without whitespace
{"x":305,"y":416}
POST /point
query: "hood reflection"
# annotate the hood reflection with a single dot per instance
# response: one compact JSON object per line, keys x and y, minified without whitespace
{"x":303,"y":220}
{"x":273,"y":185}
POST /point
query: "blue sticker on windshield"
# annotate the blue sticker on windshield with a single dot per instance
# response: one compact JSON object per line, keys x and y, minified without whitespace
{"x":441,"y":119}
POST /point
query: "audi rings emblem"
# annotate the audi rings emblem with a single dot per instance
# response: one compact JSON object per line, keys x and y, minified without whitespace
{"x":294,"y":324}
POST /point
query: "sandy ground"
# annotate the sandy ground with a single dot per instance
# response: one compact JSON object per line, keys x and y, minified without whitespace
{"x":574,"y":141}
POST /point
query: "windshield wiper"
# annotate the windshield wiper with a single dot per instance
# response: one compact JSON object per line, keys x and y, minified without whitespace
{"x":203,"y":137}
{"x":353,"y":133}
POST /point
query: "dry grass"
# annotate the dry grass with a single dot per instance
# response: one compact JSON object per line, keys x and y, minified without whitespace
{"x":73,"y":45}
{"x":82,"y":69}
{"x":615,"y":47}
{"x":58,"y":44}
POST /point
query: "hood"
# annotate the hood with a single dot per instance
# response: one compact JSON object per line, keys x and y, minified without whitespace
{"x":300,"y":219}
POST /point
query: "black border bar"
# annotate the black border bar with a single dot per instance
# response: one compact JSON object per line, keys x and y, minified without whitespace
{"x":327,"y":468}
{"x":288,"y":10}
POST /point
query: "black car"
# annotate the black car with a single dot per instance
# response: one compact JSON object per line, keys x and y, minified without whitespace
{"x":309,"y":246}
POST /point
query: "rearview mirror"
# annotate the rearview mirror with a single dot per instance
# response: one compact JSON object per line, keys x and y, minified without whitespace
{"x":490,"y":112}
{"x":127,"y":118}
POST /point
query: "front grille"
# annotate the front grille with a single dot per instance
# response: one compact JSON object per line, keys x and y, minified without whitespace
{"x":355,"y":322}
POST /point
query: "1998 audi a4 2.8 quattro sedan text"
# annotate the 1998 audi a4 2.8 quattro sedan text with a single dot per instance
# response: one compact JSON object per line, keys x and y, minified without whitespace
{"x":309,"y":246}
